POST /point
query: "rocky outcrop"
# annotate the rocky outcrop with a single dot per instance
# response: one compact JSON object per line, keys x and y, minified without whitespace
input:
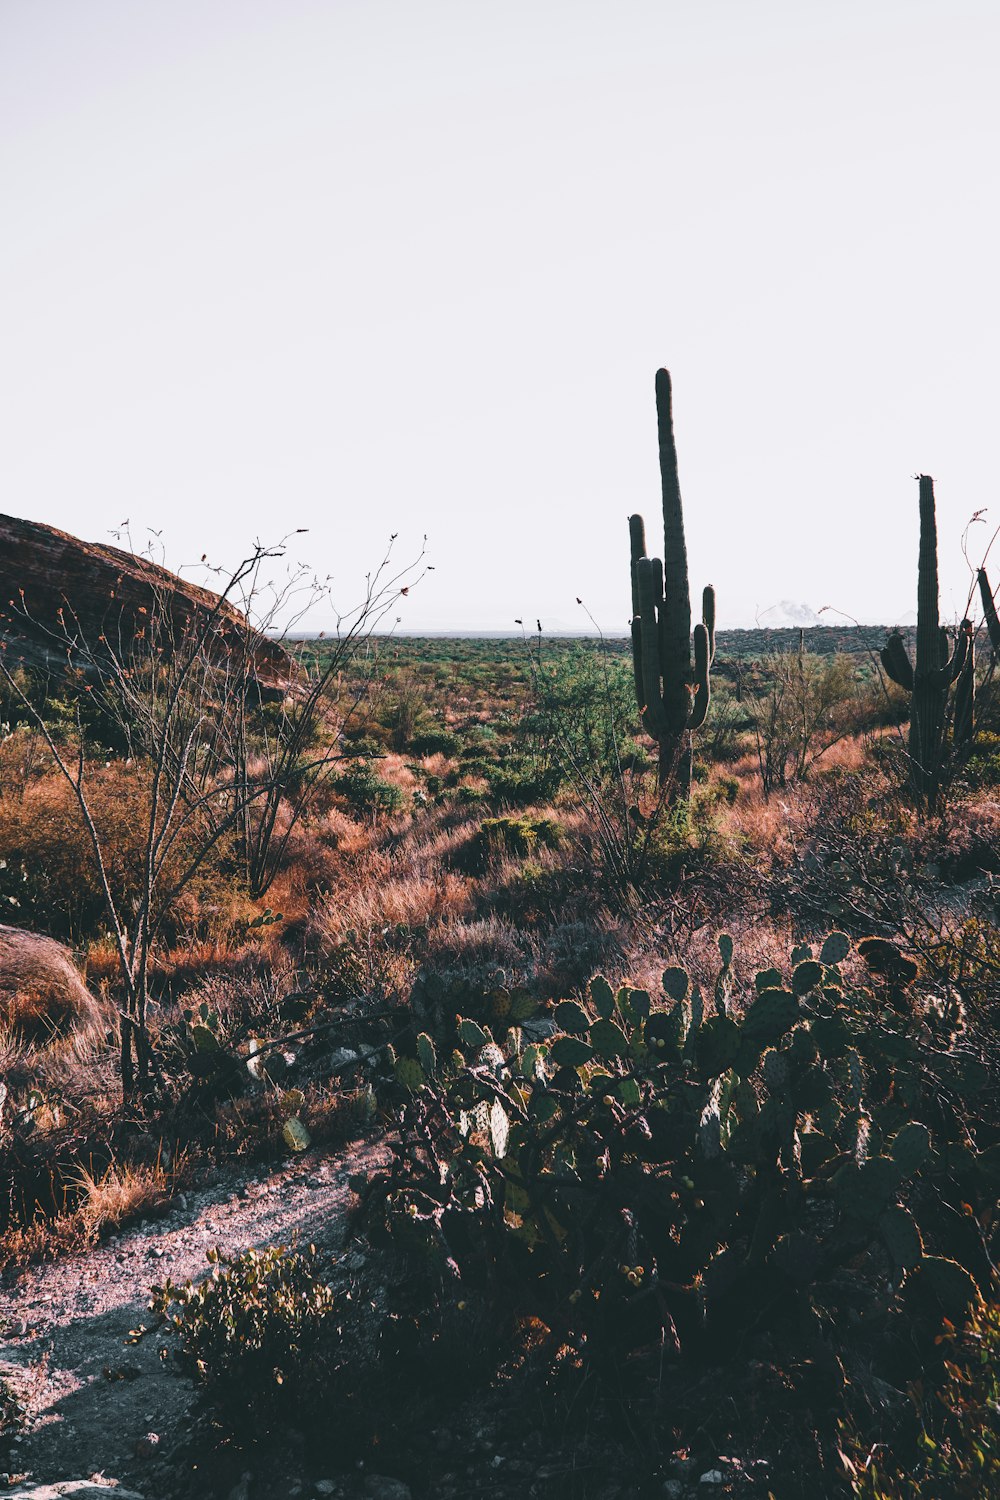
{"x":63,"y":601}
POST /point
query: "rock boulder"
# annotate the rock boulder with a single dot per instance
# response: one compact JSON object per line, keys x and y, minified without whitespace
{"x":56,"y":590}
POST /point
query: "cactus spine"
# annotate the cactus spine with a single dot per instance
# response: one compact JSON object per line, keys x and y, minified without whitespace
{"x":672,"y":691}
{"x":938,"y":664}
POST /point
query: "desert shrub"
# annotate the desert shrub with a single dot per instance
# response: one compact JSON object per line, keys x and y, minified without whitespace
{"x":365,"y":791}
{"x":957,"y":1448}
{"x":584,"y":707}
{"x":48,"y":871}
{"x":249,"y":1332}
{"x":354,"y":1359}
{"x":573,"y":952}
{"x":982,"y":768}
{"x":518,"y":836}
{"x":800,"y":706}
{"x":518,"y":784}
{"x":434,"y":742}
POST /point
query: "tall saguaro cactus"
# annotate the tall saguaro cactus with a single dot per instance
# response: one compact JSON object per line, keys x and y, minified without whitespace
{"x":672,"y":690}
{"x":939,"y":662}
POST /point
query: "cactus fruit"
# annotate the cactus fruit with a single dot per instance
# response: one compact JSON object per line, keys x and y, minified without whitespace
{"x":672,"y":691}
{"x":938,"y":664}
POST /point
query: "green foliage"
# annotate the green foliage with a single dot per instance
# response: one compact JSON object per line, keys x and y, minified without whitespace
{"x":520,"y":836}
{"x":799,"y":707}
{"x":982,"y":768}
{"x":957,"y":1448}
{"x":583,"y":703}
{"x":367,"y":792}
{"x":249,"y":1332}
{"x":434,"y":742}
{"x":519,"y":781}
{"x":662,"y":1170}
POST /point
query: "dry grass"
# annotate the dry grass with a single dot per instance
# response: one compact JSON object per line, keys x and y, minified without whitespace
{"x":107,"y":1200}
{"x":41,"y":993}
{"x":124,"y":1191}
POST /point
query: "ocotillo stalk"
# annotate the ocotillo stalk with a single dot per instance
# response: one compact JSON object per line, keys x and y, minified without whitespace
{"x":672,"y":690}
{"x":936,"y":667}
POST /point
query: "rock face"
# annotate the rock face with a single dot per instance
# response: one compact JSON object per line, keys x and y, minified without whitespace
{"x":63,"y":599}
{"x":41,"y":992}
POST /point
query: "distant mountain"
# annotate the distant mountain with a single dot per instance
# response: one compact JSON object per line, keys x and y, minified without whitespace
{"x":787,"y":613}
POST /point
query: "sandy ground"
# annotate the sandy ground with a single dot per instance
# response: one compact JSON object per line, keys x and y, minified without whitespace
{"x":91,"y":1396}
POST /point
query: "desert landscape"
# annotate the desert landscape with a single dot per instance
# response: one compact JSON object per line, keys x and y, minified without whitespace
{"x":519,"y":1066}
{"x":499,"y":750}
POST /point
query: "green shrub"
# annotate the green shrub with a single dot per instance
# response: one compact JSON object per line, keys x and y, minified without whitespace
{"x":518,"y":836}
{"x":434,"y":742}
{"x":367,"y":792}
{"x":982,"y":769}
{"x":250,"y":1331}
{"x":519,"y":785}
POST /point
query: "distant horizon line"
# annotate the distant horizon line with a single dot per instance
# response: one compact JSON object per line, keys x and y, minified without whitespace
{"x":576,"y":635}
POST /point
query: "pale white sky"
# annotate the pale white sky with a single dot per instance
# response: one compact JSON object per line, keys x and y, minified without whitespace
{"x":366,"y":266}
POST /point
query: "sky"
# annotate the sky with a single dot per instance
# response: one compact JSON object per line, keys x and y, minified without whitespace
{"x":364,"y":267}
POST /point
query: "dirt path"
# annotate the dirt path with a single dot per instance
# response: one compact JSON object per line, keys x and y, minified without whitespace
{"x":92,"y":1397}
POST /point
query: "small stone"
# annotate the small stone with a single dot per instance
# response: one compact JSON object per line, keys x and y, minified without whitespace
{"x":148,"y":1445}
{"x":673,"y":1488}
{"x":712,"y":1476}
{"x":342,"y":1057}
{"x":379,"y":1487}
{"x":324,"y":1487}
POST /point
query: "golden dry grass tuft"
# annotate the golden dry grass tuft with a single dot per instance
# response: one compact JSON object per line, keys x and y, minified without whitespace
{"x":42,"y":995}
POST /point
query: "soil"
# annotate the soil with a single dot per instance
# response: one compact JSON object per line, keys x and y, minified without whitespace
{"x":97,"y":1405}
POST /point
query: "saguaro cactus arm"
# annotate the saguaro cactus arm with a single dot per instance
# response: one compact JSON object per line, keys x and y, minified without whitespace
{"x":954,"y":664}
{"x":989,"y":611}
{"x":653,"y":716}
{"x":965,"y":693}
{"x":702,"y":689}
{"x":708,"y":618}
{"x":896,"y":662}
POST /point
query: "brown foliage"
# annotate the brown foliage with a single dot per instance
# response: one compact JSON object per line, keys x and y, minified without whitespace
{"x":41,"y":992}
